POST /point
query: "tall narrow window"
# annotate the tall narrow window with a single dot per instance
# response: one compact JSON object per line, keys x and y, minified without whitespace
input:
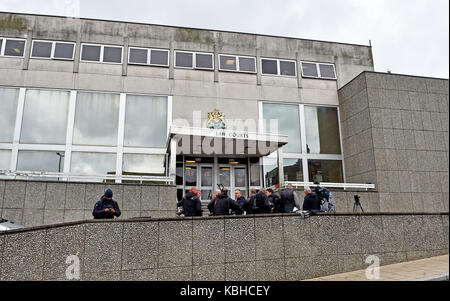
{"x":96,"y":119}
{"x":45,"y":117}
{"x":9,"y":99}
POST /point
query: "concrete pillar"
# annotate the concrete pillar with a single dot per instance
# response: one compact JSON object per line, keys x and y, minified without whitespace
{"x":299,"y":71}
{"x":76,"y":61}
{"x":171,"y":60}
{"x":126,"y":43}
{"x":280,"y":167}
{"x":27,"y":50}
{"x":258,"y":67}
{"x":216,"y":64}
{"x":173,"y":160}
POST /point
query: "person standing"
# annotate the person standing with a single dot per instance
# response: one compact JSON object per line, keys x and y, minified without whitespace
{"x":311,"y":202}
{"x":241,"y":201}
{"x":289,"y":199}
{"x":261,"y":203}
{"x":191,"y":203}
{"x":224,"y":204}
{"x":106,"y":207}
{"x":275,"y":201}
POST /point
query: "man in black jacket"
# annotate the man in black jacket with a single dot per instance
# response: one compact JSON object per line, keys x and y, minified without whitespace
{"x":223,"y":204}
{"x":192,"y":206}
{"x":312,"y":201}
{"x":106,"y":208}
{"x":261,"y":203}
{"x":275,"y":201}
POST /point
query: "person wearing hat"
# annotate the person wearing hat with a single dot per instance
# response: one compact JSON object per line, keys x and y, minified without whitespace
{"x":106,"y":207}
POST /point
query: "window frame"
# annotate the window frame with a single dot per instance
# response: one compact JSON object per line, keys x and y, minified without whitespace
{"x":194,"y":60}
{"x":304,"y":156}
{"x":2,"y":50}
{"x":102,"y":49}
{"x":278,"y":67}
{"x":149,"y":56}
{"x":318,"y":70}
{"x":238,"y":68}
{"x":52,"y":54}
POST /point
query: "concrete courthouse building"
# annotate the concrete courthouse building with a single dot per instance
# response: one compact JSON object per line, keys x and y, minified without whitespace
{"x":151,"y":111}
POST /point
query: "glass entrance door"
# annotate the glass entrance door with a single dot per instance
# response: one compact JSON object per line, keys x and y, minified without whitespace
{"x":240,"y":179}
{"x":206,"y":182}
{"x":233,"y":177}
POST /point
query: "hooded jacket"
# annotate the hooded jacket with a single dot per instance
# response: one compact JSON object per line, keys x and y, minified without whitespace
{"x":191,"y":204}
{"x":101,"y":205}
{"x":223,"y":205}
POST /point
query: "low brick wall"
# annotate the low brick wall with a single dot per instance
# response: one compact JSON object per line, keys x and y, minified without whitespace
{"x":36,"y":203}
{"x":243,"y":248}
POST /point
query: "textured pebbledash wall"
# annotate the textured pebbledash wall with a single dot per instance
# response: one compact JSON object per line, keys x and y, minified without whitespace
{"x":36,"y":203}
{"x":265,"y":248}
{"x":395,"y":132}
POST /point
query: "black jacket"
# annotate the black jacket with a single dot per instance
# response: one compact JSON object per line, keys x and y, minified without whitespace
{"x":100,"y":206}
{"x":260,"y":204}
{"x":275,"y":203}
{"x":191,"y":204}
{"x":311,"y":202}
{"x":223,"y":205}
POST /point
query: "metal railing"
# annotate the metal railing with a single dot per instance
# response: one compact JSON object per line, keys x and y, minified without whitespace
{"x":60,"y":176}
{"x":345,"y":186}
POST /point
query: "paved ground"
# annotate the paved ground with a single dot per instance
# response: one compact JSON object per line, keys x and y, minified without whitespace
{"x":414,"y":270}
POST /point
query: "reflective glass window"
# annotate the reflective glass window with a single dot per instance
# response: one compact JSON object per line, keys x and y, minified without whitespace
{"x":45,"y":116}
{"x":1,"y":44}
{"x":247,"y":64}
{"x":322,"y":130}
{"x":184,"y":59}
{"x":93,"y":164}
{"x":270,"y":166}
{"x":327,"y":171}
{"x":309,"y":69}
{"x":112,"y":54}
{"x":159,"y":57}
{"x":240,"y":176}
{"x":224,"y":177}
{"x":207,"y":176}
{"x":269,"y":66}
{"x":146,"y":121}
{"x":5,"y":159}
{"x":287,"y":68}
{"x":190,"y":176}
{"x":90,"y":53}
{"x":64,"y":51}
{"x":179,"y":173}
{"x":96,"y":119}
{"x":9,"y":99}
{"x":14,"y":47}
{"x":138,"y":56}
{"x":288,"y":120}
{"x":42,"y":49}
{"x":293,"y":170}
{"x":255,"y":172}
{"x":228,"y":62}
{"x":44,"y":161}
{"x":143,"y":164}
{"x":204,"y":61}
{"x":327,"y":71}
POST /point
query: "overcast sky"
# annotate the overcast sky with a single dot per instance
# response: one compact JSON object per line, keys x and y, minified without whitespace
{"x":408,"y":36}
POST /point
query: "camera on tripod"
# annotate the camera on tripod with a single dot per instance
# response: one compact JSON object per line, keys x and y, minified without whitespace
{"x":357,"y":204}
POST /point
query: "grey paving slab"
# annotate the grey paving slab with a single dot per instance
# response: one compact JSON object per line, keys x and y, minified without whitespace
{"x":61,"y":243}
{"x":215,"y":272}
{"x":14,"y":196}
{"x":349,"y":241}
{"x":55,"y":196}
{"x":131,"y":198}
{"x":140,"y":246}
{"x":33,"y":217}
{"x":140,"y":275}
{"x":103,"y":247}
{"x":75,"y":195}
{"x":35,"y":195}
{"x":150,"y":198}
{"x":175,"y":238}
{"x":239,"y":240}
{"x":269,"y":238}
{"x":208,"y":241}
{"x":240,"y":271}
{"x":23,"y":256}
{"x":270,"y":270}
{"x":175,"y":274}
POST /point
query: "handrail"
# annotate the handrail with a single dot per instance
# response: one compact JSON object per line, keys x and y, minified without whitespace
{"x":333,"y":185}
{"x":64,"y":176}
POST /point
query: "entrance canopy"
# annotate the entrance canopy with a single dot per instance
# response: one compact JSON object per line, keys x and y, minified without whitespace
{"x":223,"y":143}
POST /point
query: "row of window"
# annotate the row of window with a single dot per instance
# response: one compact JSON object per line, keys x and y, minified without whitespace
{"x":160,"y":57}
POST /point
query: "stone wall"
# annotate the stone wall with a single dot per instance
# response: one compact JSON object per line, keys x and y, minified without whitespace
{"x":395,"y":133}
{"x":36,"y":203}
{"x":262,"y":248}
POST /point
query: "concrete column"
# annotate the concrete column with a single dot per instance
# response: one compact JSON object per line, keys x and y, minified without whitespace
{"x":216,"y":64}
{"x":173,"y":160}
{"x":27,"y":51}
{"x":299,"y":71}
{"x":126,"y":43}
{"x":338,"y":73}
{"x":258,"y":67}
{"x":171,"y":60}
{"x":76,"y":61}
{"x":280,"y":167}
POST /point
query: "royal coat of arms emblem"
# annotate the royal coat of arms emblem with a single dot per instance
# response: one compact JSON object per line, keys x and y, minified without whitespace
{"x":216,"y":120}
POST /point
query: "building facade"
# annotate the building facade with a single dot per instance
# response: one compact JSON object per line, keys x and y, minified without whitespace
{"x":104,"y":101}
